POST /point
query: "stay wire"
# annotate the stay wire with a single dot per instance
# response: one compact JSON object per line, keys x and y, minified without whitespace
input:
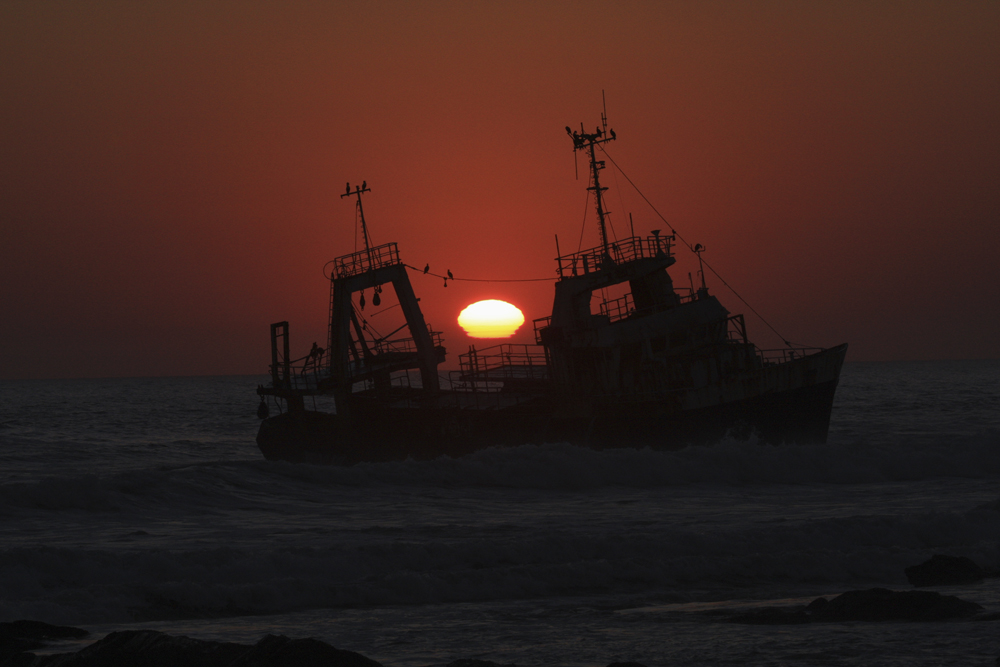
{"x":621,"y":198}
{"x":691,"y":248}
{"x":366,"y":325}
{"x":583,"y":225}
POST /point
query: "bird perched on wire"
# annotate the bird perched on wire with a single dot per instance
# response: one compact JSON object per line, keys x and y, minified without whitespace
{"x":427,"y":268}
{"x":450,"y":277}
{"x":348,"y":187}
{"x":364,"y":185}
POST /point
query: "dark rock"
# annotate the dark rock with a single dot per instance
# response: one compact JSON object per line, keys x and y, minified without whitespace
{"x":22,"y":660}
{"x":944,"y":571}
{"x":816,"y":605}
{"x":876,"y":604}
{"x":39,"y":630}
{"x":280,"y":651}
{"x":20,"y":636}
{"x":472,"y":662}
{"x":13,"y":645}
{"x":880,"y":604}
{"x":148,"y":648}
{"x":626,"y":664}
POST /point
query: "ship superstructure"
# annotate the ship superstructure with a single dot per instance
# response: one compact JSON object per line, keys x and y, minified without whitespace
{"x":649,"y":365}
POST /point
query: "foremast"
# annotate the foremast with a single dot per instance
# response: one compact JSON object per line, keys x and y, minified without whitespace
{"x":355,"y":357}
{"x":352,"y":359}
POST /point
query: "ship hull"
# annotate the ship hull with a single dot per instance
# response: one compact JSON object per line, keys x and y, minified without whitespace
{"x":786,"y":403}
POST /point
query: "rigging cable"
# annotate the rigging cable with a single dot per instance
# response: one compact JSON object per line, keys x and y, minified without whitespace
{"x":691,"y":248}
{"x":379,"y":312}
{"x":621,"y":198}
{"x":583,"y":225}
{"x":479,"y":280}
{"x":366,"y":325}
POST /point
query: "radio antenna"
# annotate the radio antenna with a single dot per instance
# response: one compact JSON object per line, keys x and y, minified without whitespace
{"x":604,"y":114}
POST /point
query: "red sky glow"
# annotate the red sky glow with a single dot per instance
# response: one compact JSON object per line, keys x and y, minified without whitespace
{"x":171,"y":171}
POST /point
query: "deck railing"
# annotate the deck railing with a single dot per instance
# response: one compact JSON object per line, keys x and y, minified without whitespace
{"x":504,"y":362}
{"x":615,"y":310}
{"x":459,"y":392}
{"x":406,"y":344}
{"x":366,"y":260}
{"x":305,"y":373}
{"x":618,"y":309}
{"x":632,"y":248}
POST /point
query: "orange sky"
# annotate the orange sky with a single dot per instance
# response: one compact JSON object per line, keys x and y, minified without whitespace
{"x":171,"y":172}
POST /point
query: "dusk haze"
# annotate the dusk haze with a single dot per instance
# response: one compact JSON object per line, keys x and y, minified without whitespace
{"x":171,"y":171}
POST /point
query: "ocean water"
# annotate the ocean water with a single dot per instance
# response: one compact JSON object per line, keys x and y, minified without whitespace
{"x":144,"y":503}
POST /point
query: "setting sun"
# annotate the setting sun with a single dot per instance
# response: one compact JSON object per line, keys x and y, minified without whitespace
{"x":491,"y":319}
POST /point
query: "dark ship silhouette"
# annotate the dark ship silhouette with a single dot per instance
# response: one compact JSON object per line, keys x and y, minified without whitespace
{"x":654,"y":367}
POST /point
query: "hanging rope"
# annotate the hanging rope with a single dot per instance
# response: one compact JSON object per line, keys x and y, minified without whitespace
{"x":691,"y":248}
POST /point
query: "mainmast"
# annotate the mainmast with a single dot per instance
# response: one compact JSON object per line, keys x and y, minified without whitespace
{"x":583,"y":140}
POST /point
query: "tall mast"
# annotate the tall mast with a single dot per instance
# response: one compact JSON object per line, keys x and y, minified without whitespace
{"x":583,"y":140}
{"x":358,"y":189}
